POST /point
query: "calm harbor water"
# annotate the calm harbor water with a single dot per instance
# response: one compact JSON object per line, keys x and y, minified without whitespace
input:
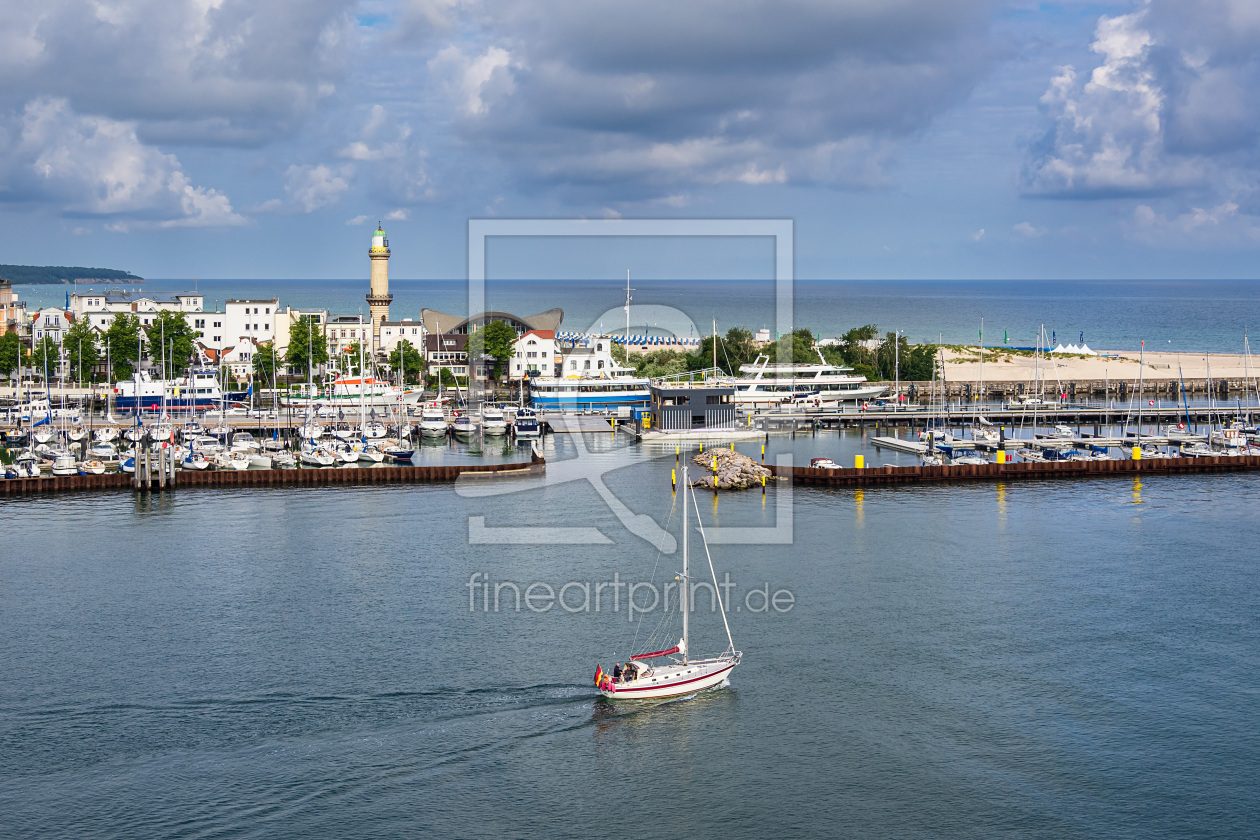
{"x":1188,"y":316}
{"x":1049,"y":659}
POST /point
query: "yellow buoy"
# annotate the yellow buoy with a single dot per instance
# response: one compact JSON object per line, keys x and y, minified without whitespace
{"x":859,"y":462}
{"x":1001,"y":456}
{"x":1137,"y":453}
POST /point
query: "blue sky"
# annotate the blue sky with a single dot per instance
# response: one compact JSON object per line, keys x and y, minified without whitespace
{"x":906,"y":138}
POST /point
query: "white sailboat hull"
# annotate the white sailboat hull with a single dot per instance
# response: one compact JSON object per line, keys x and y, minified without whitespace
{"x":673,"y":680}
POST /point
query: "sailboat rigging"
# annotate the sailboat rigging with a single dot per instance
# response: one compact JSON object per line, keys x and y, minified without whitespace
{"x":639,"y":679}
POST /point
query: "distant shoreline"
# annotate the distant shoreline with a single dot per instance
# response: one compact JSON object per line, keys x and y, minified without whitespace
{"x":63,"y":275}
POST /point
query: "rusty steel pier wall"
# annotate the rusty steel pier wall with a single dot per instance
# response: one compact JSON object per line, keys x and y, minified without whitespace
{"x":325,"y":476}
{"x":890,"y":475}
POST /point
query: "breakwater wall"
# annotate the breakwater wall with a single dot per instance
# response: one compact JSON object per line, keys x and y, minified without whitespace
{"x":323,"y":476}
{"x":890,"y":475}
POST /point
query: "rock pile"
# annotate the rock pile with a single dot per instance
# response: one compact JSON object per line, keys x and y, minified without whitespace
{"x":735,"y":471}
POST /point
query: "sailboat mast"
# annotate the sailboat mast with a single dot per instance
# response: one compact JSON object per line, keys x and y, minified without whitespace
{"x":684,"y":590}
{"x":627,"y":334}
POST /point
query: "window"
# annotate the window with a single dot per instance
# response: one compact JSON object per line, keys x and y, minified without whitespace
{"x":266,"y":326}
{"x":218,"y":324}
{"x":200,"y":323}
{"x":255,"y":310}
{"x":267,"y":311}
{"x":601,"y":364}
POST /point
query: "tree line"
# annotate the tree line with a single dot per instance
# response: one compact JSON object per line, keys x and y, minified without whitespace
{"x":878,"y":358}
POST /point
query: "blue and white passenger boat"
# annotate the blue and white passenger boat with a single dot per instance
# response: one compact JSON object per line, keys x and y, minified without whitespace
{"x":589,"y":393}
{"x":200,"y":389}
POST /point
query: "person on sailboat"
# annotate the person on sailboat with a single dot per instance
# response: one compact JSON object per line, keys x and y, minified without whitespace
{"x":617,"y":672}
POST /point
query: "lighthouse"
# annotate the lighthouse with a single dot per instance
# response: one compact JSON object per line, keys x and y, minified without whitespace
{"x":378,"y":297}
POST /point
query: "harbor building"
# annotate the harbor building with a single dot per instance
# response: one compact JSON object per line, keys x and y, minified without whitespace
{"x":378,"y":297}
{"x":536,"y":354}
{"x":100,"y":307}
{"x":441,"y":322}
{"x":686,"y":406}
{"x":12,"y":310}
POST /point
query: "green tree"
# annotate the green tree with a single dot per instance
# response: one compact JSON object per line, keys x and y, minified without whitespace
{"x":46,"y":357}
{"x":448,"y":379}
{"x":407,"y":360}
{"x":500,"y":343}
{"x":733,"y":350}
{"x":123,"y":344}
{"x":13,"y":354}
{"x":170,"y":338}
{"x":264,"y":364}
{"x":307,"y":347}
{"x":82,"y":349}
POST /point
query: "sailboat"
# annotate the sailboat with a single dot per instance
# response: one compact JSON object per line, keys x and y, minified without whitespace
{"x":672,"y":672}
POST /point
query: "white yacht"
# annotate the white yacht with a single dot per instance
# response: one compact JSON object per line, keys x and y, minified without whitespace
{"x":492,"y":422}
{"x":432,"y":420}
{"x":764,"y":384}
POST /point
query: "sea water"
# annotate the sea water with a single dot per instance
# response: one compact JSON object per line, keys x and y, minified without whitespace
{"x":1072,"y":658}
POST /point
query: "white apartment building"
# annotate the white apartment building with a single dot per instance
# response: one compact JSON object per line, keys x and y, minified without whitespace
{"x":51,"y":323}
{"x":589,"y":355}
{"x":100,"y":307}
{"x":537,"y":354}
{"x":393,"y":332}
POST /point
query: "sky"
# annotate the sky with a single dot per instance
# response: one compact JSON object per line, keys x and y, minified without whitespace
{"x":915,"y":139}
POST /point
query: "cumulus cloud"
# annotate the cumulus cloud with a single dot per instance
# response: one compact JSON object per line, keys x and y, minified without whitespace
{"x":656,"y":96}
{"x":232,"y":72}
{"x":1029,"y":230}
{"x":393,"y":157}
{"x":1170,"y":107}
{"x":94,"y":166}
{"x":312,"y":187}
{"x":1212,"y":227}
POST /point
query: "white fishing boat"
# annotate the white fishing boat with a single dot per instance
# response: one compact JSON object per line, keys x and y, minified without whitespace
{"x":433,"y":420}
{"x":672,"y":672}
{"x":1063,"y":433}
{"x":492,"y":422}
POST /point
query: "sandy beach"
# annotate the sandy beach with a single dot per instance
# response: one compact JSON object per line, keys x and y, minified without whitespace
{"x":963,"y":365}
